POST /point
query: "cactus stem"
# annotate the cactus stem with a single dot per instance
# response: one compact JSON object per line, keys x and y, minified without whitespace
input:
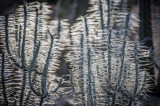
{"x":7,"y":42}
{"x":31,"y":69}
{"x":81,"y":69}
{"x":101,"y":15}
{"x":36,"y":29}
{"x":23,"y":55}
{"x":108,"y":21}
{"x":19,"y":42}
{"x":122,"y":62}
{"x":59,"y":28}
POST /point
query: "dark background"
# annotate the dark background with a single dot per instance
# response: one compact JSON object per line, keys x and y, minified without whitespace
{"x":63,"y":9}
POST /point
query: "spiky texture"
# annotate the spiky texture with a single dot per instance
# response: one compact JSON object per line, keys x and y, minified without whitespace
{"x":34,"y":48}
{"x":105,"y":67}
{"x":11,"y":79}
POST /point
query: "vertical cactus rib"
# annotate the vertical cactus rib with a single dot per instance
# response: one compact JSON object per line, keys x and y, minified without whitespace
{"x":109,"y":10}
{"x":23,"y":55}
{"x":24,"y":34}
{"x":19,"y":42}
{"x":101,"y":16}
{"x":132,"y":98}
{"x":23,"y":31}
{"x":113,"y":55}
{"x":36,"y":29}
{"x":23,"y":87}
{"x":107,"y":69}
{"x":59,"y":28}
{"x":44,"y":74}
{"x":7,"y":40}
{"x":6,"y":33}
{"x":31,"y":69}
{"x":122,"y":62}
{"x":119,"y":75}
{"x":102,"y":24}
{"x":35,"y":52}
{"x":81,"y":68}
{"x":137,"y":71}
{"x":109,"y":54}
{"x":89,"y":97}
{"x":16,"y":30}
{"x":3,"y":80}
{"x":89,"y":87}
{"x":46,"y":66}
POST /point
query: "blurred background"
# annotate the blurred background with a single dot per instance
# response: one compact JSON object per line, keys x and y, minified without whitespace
{"x":63,"y":9}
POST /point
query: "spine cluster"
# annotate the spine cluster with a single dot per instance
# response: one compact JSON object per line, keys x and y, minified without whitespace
{"x":106,"y":67}
{"x":33,"y":47}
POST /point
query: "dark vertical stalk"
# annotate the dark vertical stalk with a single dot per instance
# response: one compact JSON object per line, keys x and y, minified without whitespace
{"x":122,"y":62}
{"x":3,"y":81}
{"x":109,"y":9}
{"x":44,"y":75}
{"x":101,"y":16}
{"x":16,"y":30}
{"x":23,"y":55}
{"x":41,"y":101}
{"x":119,"y":75}
{"x":36,"y":29}
{"x":44,"y":93}
{"x":136,"y":76}
{"x":59,"y":28}
{"x":89,"y":89}
{"x":19,"y":42}
{"x":137,"y":70}
{"x":109,"y":36}
{"x":6,"y":33}
{"x":109,"y":40}
{"x":109,"y":54}
{"x":89,"y":77}
{"x":7,"y":40}
{"x":81,"y":69}
{"x":94,"y":92}
{"x":104,"y":46}
{"x":34,"y":50}
{"x":24,"y":35}
{"x":31,"y":69}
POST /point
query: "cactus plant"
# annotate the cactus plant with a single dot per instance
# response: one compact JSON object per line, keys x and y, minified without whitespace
{"x":27,"y":37}
{"x":105,"y":67}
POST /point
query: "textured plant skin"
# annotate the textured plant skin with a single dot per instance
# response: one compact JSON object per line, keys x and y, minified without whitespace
{"x":106,"y":68}
{"x":33,"y":46}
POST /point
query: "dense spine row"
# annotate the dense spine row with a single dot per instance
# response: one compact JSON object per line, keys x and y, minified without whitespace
{"x":34,"y":48}
{"x":106,"y":68}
